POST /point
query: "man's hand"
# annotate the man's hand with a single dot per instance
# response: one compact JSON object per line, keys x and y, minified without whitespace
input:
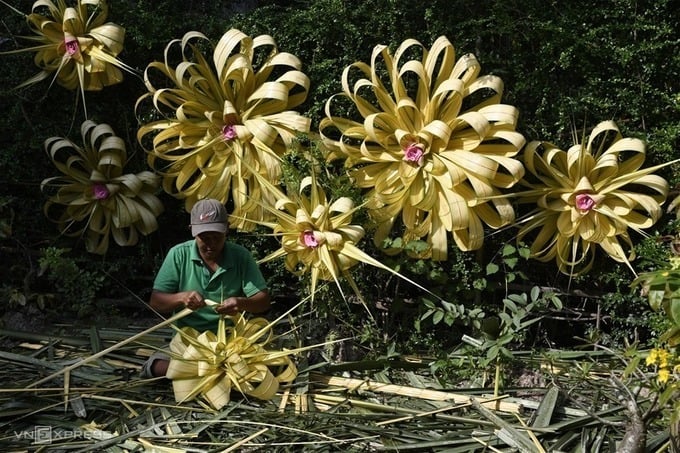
{"x":230,"y":306}
{"x":193,"y":300}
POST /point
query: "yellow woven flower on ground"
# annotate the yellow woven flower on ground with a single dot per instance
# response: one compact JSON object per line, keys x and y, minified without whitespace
{"x":93,"y":197}
{"x":212,"y":365}
{"x":76,"y":44}
{"x":433,"y":144}
{"x":589,"y":196}
{"x":224,"y":121}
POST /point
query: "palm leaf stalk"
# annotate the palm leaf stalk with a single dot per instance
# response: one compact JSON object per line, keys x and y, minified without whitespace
{"x":220,"y":114}
{"x":434,"y":146}
{"x":93,"y":197}
{"x":589,"y":197}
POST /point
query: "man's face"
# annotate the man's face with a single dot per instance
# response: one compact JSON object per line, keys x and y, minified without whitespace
{"x":210,"y":244}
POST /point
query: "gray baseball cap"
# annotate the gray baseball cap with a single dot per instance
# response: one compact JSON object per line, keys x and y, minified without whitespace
{"x":208,"y":215}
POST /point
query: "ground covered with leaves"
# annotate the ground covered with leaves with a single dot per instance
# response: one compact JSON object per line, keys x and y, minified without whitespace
{"x":73,"y":388}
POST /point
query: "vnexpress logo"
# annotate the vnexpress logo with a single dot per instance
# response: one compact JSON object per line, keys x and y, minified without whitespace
{"x":42,"y":435}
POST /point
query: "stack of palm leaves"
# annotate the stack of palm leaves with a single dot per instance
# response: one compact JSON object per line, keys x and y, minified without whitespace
{"x":100,"y":404}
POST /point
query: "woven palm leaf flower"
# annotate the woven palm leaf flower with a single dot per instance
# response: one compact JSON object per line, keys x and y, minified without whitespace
{"x":590,"y":195}
{"x":224,"y":120}
{"x":76,"y":44}
{"x":317,"y":236}
{"x":236,"y":357}
{"x":93,"y":197}
{"x":434,"y":145}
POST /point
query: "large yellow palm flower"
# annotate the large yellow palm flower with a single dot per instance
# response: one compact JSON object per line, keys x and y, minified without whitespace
{"x":76,"y":44}
{"x":224,"y":120}
{"x":93,"y":197}
{"x":590,"y":195}
{"x":433,"y":145}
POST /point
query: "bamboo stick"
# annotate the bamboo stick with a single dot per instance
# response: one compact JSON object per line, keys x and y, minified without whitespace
{"x":434,"y":395}
{"x":67,"y":369}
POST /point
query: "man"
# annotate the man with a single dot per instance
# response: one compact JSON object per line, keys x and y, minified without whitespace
{"x":207,"y":267}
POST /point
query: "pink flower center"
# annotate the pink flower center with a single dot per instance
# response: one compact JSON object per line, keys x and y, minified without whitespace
{"x":72,"y":47}
{"x":309,"y":240}
{"x":584,"y":202}
{"x":100,"y":191}
{"x":414,"y":153}
{"x":229,"y":132}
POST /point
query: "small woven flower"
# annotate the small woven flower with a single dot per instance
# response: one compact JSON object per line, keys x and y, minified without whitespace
{"x":589,"y":197}
{"x":318,"y":237}
{"x":238,"y":358}
{"x":93,"y":197}
{"x":224,"y":120}
{"x":430,"y":141}
{"x":75,"y":44}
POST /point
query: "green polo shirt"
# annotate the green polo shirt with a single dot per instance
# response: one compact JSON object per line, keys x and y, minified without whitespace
{"x":184,"y":270}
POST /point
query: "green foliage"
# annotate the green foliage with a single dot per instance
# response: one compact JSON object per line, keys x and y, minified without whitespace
{"x":76,"y":287}
{"x":565,"y":66}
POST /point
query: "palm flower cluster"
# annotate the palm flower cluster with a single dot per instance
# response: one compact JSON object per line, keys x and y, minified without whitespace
{"x":211,"y":365}
{"x":93,"y":197}
{"x":430,"y":141}
{"x":589,"y":196}
{"x":75,"y":44}
{"x":224,"y":121}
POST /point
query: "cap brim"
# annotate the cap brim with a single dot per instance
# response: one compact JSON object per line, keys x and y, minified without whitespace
{"x":219,"y":227}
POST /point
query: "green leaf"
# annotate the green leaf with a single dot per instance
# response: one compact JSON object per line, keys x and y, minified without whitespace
{"x":666,"y":395}
{"x":674,"y":310}
{"x":535,"y":293}
{"x":510,"y":305}
{"x":518,"y":298}
{"x":438,"y":316}
{"x":511,"y":262}
{"x":544,"y":413}
{"x":428,"y":303}
{"x":491,"y":268}
{"x":505,"y":339}
{"x":556,"y":301}
{"x":525,"y":252}
{"x":655,"y":298}
{"x":493,"y":352}
{"x":506,"y":353}
{"x":632,"y":366}
{"x":508,"y":249}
